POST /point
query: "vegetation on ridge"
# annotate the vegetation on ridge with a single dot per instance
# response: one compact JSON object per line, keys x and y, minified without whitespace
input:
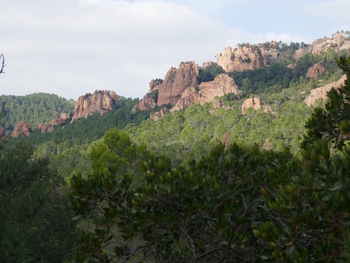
{"x":204,"y":184}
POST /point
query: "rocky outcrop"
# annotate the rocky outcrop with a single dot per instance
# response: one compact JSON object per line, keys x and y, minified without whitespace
{"x":207,"y":92}
{"x":321,"y":45}
{"x":226,"y":140}
{"x":315,"y":71}
{"x":176,"y":82}
{"x":148,"y":102}
{"x":50,"y":126}
{"x":180,"y":89}
{"x":22,"y":128}
{"x":100,"y":101}
{"x":254,"y":103}
{"x":3,"y":133}
{"x":321,"y":93}
{"x":251,"y":103}
{"x":246,"y":57}
{"x":169,"y":91}
{"x":267,"y":109}
{"x":158,"y":114}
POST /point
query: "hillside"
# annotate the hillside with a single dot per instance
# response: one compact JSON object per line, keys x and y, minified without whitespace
{"x":239,"y":160}
{"x":34,"y":109}
{"x":280,"y":76}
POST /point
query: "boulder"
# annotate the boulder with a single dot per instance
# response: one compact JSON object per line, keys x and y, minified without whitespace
{"x":251,"y":103}
{"x":22,"y":128}
{"x":254,"y":103}
{"x":321,"y":93}
{"x":315,"y":71}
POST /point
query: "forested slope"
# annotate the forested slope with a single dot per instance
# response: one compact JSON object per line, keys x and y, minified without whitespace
{"x":208,"y":183}
{"x":34,"y":109}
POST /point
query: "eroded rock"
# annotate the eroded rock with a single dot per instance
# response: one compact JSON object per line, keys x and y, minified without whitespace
{"x":207,"y":92}
{"x":315,"y":71}
{"x":50,"y":126}
{"x":22,"y":128}
{"x":100,"y":101}
{"x":321,"y":93}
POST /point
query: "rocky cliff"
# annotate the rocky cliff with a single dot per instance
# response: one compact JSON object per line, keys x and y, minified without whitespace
{"x":206,"y":92}
{"x":321,"y":93}
{"x":321,"y":45}
{"x":100,"y":101}
{"x":180,"y":89}
{"x":169,"y":91}
{"x":22,"y":128}
{"x":50,"y":126}
{"x":245,"y":57}
{"x":176,"y":82}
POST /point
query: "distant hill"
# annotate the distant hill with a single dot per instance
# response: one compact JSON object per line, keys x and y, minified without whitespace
{"x":262,"y":68}
{"x":279,"y":76}
{"x":34,"y":109}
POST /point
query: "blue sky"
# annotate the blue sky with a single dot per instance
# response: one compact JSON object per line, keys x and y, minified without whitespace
{"x":72,"y":47}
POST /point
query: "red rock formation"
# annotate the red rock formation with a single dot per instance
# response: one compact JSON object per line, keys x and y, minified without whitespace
{"x":207,"y":92}
{"x":176,"y":82}
{"x":50,"y":126}
{"x":3,"y":133}
{"x":154,"y":85}
{"x":148,"y":102}
{"x":170,"y":90}
{"x":99,"y":101}
{"x":321,"y":45}
{"x":253,"y":103}
{"x":315,"y":71}
{"x":321,"y":93}
{"x":158,"y":114}
{"x":22,"y":128}
{"x":247,"y":57}
{"x":226,"y":140}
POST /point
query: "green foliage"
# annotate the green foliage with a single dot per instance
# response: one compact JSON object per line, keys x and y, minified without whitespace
{"x":332,"y":121}
{"x":202,"y":211}
{"x":98,"y":197}
{"x":191,"y":133}
{"x":208,"y":73}
{"x":34,"y":109}
{"x":83,"y":131}
{"x":260,"y":80}
{"x":310,"y":213}
{"x":236,"y":204}
{"x":279,"y":75}
{"x":35,"y":223}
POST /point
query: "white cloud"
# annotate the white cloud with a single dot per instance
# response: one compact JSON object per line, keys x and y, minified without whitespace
{"x":70,"y":47}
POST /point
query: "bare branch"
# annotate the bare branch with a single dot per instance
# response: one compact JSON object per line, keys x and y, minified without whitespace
{"x":3,"y":63}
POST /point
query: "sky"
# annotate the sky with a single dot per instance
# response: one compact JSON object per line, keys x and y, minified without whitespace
{"x":73,"y":47}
